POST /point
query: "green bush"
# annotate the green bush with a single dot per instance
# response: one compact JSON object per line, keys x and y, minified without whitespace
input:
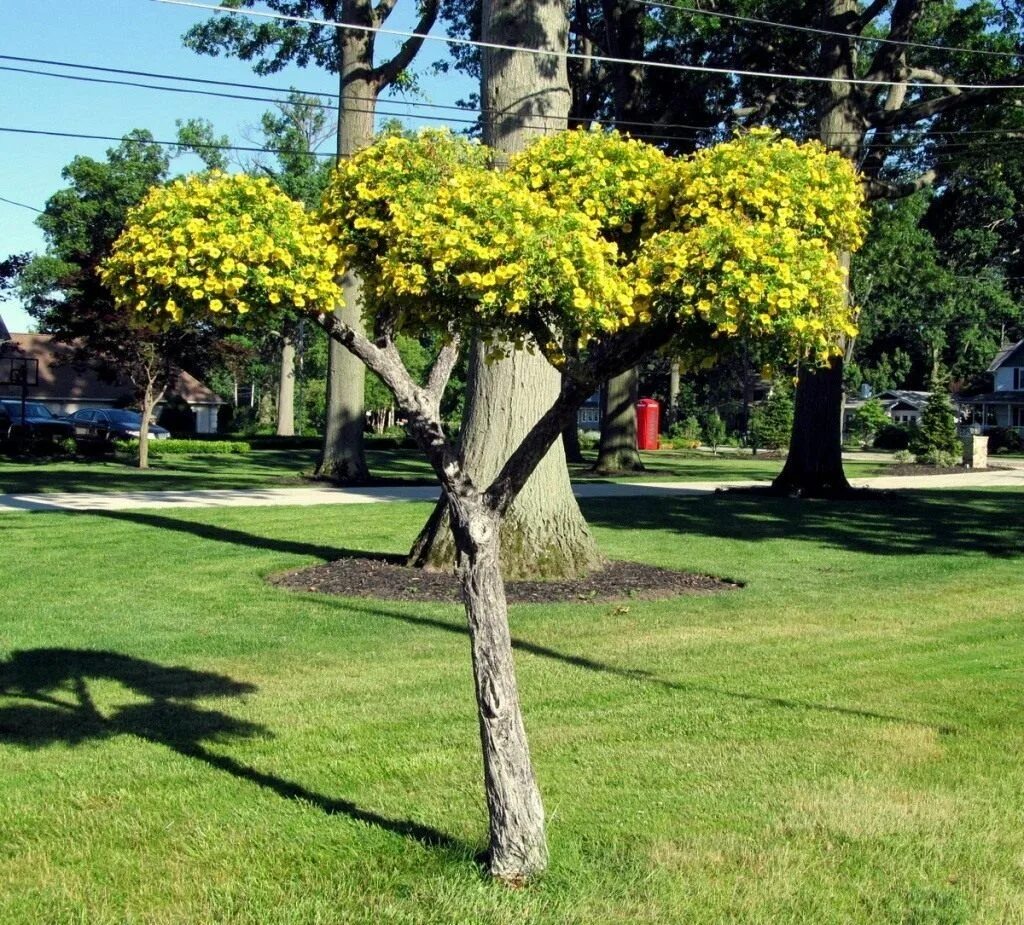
{"x":771,"y":422}
{"x":714,"y":431}
{"x":940,"y":458}
{"x":175,"y":447}
{"x":903,"y":456}
{"x":937,"y":437}
{"x":685,"y":436}
{"x":893,"y":437}
{"x":868,"y":420}
{"x":1004,"y":440}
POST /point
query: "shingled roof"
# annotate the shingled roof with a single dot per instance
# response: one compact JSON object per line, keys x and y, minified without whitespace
{"x":1012,"y":355}
{"x":63,"y":376}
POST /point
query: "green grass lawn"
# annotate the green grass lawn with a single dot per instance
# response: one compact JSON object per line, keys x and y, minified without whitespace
{"x":838,"y":741}
{"x":262,"y":468}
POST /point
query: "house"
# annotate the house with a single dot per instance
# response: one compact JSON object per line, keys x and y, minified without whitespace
{"x":904,"y":406}
{"x":63,"y":383}
{"x":588,"y":415}
{"x":1004,"y":405}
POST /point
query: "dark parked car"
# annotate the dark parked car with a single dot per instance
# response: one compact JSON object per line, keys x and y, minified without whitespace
{"x":38,"y":424}
{"x":101,"y":427}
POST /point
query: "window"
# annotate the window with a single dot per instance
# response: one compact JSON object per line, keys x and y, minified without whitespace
{"x":1018,"y":378}
{"x":1017,"y":416}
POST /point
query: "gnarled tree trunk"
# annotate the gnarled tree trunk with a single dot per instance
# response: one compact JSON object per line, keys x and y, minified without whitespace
{"x":524,"y":95}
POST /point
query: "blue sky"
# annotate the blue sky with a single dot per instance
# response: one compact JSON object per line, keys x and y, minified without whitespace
{"x":135,"y":35}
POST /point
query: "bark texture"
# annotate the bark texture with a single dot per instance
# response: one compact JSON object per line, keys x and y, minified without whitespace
{"x":617,"y":451}
{"x":518,"y":848}
{"x":545,"y":534}
{"x":286,"y":389}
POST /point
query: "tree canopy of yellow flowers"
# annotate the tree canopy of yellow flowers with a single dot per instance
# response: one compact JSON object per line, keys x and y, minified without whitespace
{"x":218,"y":244}
{"x":586,"y":233}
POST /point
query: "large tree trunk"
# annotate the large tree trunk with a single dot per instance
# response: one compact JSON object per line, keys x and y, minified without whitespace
{"x":545,"y":533}
{"x":343,"y":457}
{"x":617,"y":451}
{"x":814,"y":466}
{"x":672,"y":411}
{"x":286,"y":388}
{"x":518,"y":848}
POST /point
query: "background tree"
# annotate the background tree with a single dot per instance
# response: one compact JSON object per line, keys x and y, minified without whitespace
{"x":446,"y":244}
{"x":771,"y":422}
{"x":63,"y":293}
{"x":935,"y":441}
{"x":868,"y":420}
{"x":349,"y":53}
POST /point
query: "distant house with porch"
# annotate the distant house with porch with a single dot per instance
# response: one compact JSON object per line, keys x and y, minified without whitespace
{"x":1004,"y":405}
{"x":65,"y":383}
{"x":903,"y":406}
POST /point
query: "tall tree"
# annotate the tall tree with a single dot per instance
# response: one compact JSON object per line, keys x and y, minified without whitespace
{"x":349,"y":53}
{"x":524,"y":96}
{"x":63,"y":292}
{"x":910,"y":85}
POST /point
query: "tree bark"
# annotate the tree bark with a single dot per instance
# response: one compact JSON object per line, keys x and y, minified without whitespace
{"x":518,"y":848}
{"x":149,"y":400}
{"x":545,"y":535}
{"x":617,"y":451}
{"x":672,"y":411}
{"x":286,"y":388}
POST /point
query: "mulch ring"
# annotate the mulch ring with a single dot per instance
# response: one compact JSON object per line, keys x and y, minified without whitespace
{"x":387,"y":580}
{"x":919,"y":469}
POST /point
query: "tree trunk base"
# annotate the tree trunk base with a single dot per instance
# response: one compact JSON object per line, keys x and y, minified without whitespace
{"x":346,"y":470}
{"x":559,"y":547}
{"x":618,"y":463}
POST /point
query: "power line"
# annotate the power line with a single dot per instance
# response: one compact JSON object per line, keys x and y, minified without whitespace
{"x":170,"y":144}
{"x":316,"y":103}
{"x":543,"y":52}
{"x":844,"y":35}
{"x":21,"y":204}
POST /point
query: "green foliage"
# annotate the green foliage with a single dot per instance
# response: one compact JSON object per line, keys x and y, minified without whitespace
{"x":178,"y":447}
{"x":686,"y":435}
{"x":714,"y":431}
{"x":936,"y":436}
{"x":869,"y":419}
{"x":771,"y":422}
{"x":893,"y":437}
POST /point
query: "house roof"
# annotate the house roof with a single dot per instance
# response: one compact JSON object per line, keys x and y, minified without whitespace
{"x":1007,"y":397}
{"x":1012,"y":355}
{"x":4,"y":335}
{"x":63,"y":375}
{"x":914,"y":399}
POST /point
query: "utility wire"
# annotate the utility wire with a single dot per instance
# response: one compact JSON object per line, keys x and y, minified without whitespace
{"x":316,"y":103}
{"x":21,"y":204}
{"x":734,"y":17}
{"x":547,"y":53}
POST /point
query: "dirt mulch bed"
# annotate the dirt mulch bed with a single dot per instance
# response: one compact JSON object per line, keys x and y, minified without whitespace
{"x":387,"y":580}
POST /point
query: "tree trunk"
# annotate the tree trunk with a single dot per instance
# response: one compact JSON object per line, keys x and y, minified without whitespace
{"x":286,"y":389}
{"x":518,"y":849}
{"x":544,"y":534}
{"x":814,"y":466}
{"x":617,"y":451}
{"x":149,"y":400}
{"x":343,"y":457}
{"x":672,"y":411}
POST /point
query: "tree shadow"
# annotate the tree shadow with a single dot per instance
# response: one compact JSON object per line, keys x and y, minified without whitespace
{"x":880,"y":523}
{"x":643,"y":675}
{"x":54,"y":704}
{"x":208,"y":531}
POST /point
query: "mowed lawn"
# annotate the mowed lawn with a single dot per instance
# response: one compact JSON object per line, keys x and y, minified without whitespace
{"x":838,"y":741}
{"x":293,"y":467}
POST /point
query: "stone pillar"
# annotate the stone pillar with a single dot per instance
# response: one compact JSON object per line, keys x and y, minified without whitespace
{"x":976,"y":451}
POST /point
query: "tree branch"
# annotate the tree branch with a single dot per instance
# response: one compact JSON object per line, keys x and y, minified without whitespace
{"x":879,"y":189}
{"x":388,"y":72}
{"x":441,"y":371}
{"x":928,"y":108}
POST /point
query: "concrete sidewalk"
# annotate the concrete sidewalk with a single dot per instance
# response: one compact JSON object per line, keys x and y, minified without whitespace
{"x":318,"y":494}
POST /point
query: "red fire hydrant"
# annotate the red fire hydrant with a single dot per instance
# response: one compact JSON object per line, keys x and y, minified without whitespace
{"x":647,"y":419}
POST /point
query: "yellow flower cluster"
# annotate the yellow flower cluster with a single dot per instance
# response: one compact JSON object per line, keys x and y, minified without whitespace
{"x":441,"y":240}
{"x":623,"y":184}
{"x":222,"y":245}
{"x":762,"y":177}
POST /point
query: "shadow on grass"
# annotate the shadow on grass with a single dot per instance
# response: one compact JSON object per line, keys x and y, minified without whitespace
{"x":59,"y":708}
{"x":879,"y":523}
{"x":242,"y":538}
{"x":642,"y":675}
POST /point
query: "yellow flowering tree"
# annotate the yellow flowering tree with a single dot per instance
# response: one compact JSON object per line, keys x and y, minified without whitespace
{"x":553,"y":258}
